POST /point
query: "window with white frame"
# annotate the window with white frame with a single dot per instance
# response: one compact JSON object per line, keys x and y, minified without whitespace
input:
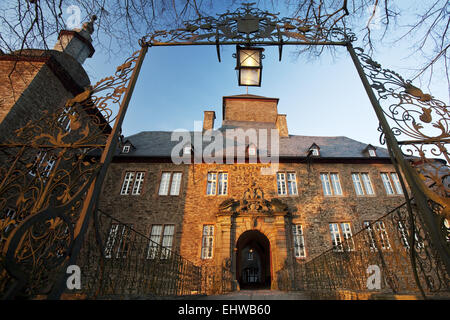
{"x":418,"y":241}
{"x":43,"y":164}
{"x":281,"y":183}
{"x":447,"y":229}
{"x":391,"y":179}
{"x":126,"y":149}
{"x":8,"y":217}
{"x":341,"y":235}
{"x":403,"y":233}
{"x":161,"y":237}
{"x":252,"y":150}
{"x":287,"y":183}
{"x":330,"y":184}
{"x":217,"y":183}
{"x":207,"y":241}
{"x":65,"y":118}
{"x":299,"y":241}
{"x":314,"y":151}
{"x":118,"y":241}
{"x":170,"y":183}
{"x":187,"y":150}
{"x":372,"y":153}
{"x":377,"y":232}
{"x":132,"y":183}
{"x":362,"y":184}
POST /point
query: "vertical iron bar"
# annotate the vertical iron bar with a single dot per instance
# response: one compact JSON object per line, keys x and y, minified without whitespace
{"x":93,"y":194}
{"x":398,"y":158}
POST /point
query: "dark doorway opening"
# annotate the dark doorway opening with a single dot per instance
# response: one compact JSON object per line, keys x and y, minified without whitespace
{"x":253,"y":261}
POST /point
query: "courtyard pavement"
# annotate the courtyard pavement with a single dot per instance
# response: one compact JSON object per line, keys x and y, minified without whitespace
{"x":265,"y":294}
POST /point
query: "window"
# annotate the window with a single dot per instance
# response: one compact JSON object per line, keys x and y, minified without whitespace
{"x":390,"y":179}
{"x":281,"y":183}
{"x":65,"y":118}
{"x":252,"y":151}
{"x":315,"y":152}
{"x":207,"y":241}
{"x":118,"y":241}
{"x":362,"y":184}
{"x":287,"y":186}
{"x":8,"y":217}
{"x":161,"y":236}
{"x":372,"y":153}
{"x":341,"y":234}
{"x":377,"y":232}
{"x":331,"y":184}
{"x":418,"y":241}
{"x":299,"y":241}
{"x":187,"y":150}
{"x":43,"y":164}
{"x":126,"y":149}
{"x":170,"y":183}
{"x":217,"y":183}
{"x":132,"y":183}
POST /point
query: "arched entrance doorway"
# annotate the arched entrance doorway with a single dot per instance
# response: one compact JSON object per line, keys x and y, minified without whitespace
{"x":253,"y":261}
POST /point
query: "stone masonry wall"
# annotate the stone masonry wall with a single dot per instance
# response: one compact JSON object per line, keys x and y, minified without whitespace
{"x":250,"y":110}
{"x":193,"y":208}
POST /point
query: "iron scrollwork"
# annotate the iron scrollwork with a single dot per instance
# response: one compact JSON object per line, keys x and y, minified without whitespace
{"x":45,"y":173}
{"x":422,"y":124}
{"x":249,"y":25}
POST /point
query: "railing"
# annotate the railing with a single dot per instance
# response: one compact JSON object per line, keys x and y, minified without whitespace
{"x":384,"y":257}
{"x":117,"y":261}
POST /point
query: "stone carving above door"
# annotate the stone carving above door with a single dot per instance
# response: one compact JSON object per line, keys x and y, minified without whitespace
{"x":253,"y":202}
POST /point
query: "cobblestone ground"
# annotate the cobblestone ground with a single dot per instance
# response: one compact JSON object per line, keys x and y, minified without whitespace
{"x":258,"y":295}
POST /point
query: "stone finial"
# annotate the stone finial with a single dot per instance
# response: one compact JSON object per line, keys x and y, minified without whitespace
{"x":89,"y":26}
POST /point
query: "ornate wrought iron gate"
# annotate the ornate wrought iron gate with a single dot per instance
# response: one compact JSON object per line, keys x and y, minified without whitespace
{"x":50,"y":177}
{"x":51,"y":174}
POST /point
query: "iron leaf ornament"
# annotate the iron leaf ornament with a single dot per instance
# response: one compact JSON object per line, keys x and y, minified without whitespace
{"x":248,"y":24}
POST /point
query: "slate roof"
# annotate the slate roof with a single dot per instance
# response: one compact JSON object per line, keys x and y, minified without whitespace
{"x":159,"y":144}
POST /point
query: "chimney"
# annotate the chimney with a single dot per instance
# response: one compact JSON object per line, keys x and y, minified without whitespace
{"x":282,"y":125}
{"x":78,"y":42}
{"x":208,"y":120}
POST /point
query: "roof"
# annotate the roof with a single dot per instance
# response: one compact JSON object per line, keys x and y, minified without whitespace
{"x":159,"y":143}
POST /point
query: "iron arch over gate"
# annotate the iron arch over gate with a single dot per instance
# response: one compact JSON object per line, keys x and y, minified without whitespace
{"x":61,"y":217}
{"x":253,"y":265}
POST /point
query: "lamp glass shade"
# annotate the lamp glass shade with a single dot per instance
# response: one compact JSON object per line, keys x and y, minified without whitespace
{"x":249,"y":58}
{"x":249,"y":77}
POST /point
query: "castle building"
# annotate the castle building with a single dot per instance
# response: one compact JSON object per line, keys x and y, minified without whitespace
{"x":248,"y":197}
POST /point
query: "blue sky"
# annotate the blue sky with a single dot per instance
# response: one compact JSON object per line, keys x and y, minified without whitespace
{"x":321,"y":97}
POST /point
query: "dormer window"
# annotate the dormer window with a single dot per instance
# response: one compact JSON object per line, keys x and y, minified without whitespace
{"x":187,"y":150}
{"x":126,"y":149}
{"x":252,"y":150}
{"x":314,"y":150}
{"x":371,"y":150}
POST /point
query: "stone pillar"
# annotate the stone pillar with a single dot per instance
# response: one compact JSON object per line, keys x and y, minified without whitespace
{"x":279,"y":248}
{"x":225,"y":244}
